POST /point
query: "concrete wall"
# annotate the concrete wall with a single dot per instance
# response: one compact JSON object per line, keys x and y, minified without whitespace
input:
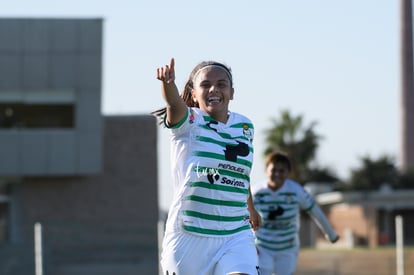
{"x":51,"y":62}
{"x":95,"y":224}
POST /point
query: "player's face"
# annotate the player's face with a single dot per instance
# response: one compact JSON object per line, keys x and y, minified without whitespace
{"x":277,"y":173}
{"x":213,"y":91}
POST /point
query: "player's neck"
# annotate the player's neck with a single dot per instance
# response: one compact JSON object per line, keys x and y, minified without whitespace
{"x":274,"y":185}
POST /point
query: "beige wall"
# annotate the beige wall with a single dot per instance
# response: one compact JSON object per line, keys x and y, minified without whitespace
{"x":360,"y":220}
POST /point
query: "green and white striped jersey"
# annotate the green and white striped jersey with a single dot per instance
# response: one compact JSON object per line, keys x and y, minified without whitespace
{"x":211,"y":164}
{"x":280,"y":211}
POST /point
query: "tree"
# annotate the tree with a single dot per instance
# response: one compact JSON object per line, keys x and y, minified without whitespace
{"x":289,"y":134}
{"x":406,"y":180}
{"x":373,"y":173}
{"x":321,"y":174}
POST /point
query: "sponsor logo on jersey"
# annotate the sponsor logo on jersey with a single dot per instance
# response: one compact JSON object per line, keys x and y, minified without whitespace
{"x":233,"y":182}
{"x":231,"y":168}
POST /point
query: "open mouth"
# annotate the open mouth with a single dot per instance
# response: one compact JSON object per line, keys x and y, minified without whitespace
{"x":214,"y":99}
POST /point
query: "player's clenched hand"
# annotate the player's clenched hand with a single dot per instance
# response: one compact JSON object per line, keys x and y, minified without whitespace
{"x":167,"y":73}
{"x":255,"y":219}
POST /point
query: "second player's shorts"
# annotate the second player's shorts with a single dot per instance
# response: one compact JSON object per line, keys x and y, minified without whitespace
{"x":280,"y":263}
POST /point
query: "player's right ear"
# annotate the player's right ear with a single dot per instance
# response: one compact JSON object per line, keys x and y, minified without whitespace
{"x":193,"y":96}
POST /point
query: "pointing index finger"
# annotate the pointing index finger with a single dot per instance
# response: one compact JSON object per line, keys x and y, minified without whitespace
{"x":172,"y":64}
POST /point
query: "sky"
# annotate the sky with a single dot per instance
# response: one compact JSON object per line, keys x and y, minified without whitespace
{"x":336,"y":63}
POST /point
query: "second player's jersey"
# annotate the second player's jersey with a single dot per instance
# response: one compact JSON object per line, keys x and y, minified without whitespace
{"x":211,"y":163}
{"x":280,"y":211}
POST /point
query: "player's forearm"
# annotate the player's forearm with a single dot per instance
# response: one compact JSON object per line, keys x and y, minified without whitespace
{"x":255,"y":219}
{"x":250,"y":205}
{"x":170,"y":93}
{"x":176,"y":108}
{"x":323,"y":223}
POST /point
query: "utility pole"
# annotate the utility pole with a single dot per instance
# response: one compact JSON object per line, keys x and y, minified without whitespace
{"x":407,"y":85}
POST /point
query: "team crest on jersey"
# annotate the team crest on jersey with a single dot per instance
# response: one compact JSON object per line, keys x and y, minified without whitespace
{"x":247,"y":132}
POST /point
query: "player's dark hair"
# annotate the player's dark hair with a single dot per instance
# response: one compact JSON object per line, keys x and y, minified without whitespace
{"x":278,"y":157}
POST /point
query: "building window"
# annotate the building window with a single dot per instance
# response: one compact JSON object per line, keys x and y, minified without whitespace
{"x":17,"y":115}
{"x":37,"y":109}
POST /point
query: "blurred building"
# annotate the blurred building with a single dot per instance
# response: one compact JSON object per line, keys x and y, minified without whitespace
{"x":90,"y":181}
{"x":364,"y":218}
{"x":361,"y":218}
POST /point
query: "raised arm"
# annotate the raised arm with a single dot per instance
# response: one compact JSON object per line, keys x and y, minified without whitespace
{"x":176,"y":108}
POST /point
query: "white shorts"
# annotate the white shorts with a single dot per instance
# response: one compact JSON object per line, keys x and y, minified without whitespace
{"x":280,"y":263}
{"x":188,"y":254}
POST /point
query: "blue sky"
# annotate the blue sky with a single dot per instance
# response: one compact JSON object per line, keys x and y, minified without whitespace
{"x":334,"y":62}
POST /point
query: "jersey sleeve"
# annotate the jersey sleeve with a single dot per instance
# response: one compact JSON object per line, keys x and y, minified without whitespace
{"x":308,"y":203}
{"x":306,"y":200}
{"x":322,"y":222}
